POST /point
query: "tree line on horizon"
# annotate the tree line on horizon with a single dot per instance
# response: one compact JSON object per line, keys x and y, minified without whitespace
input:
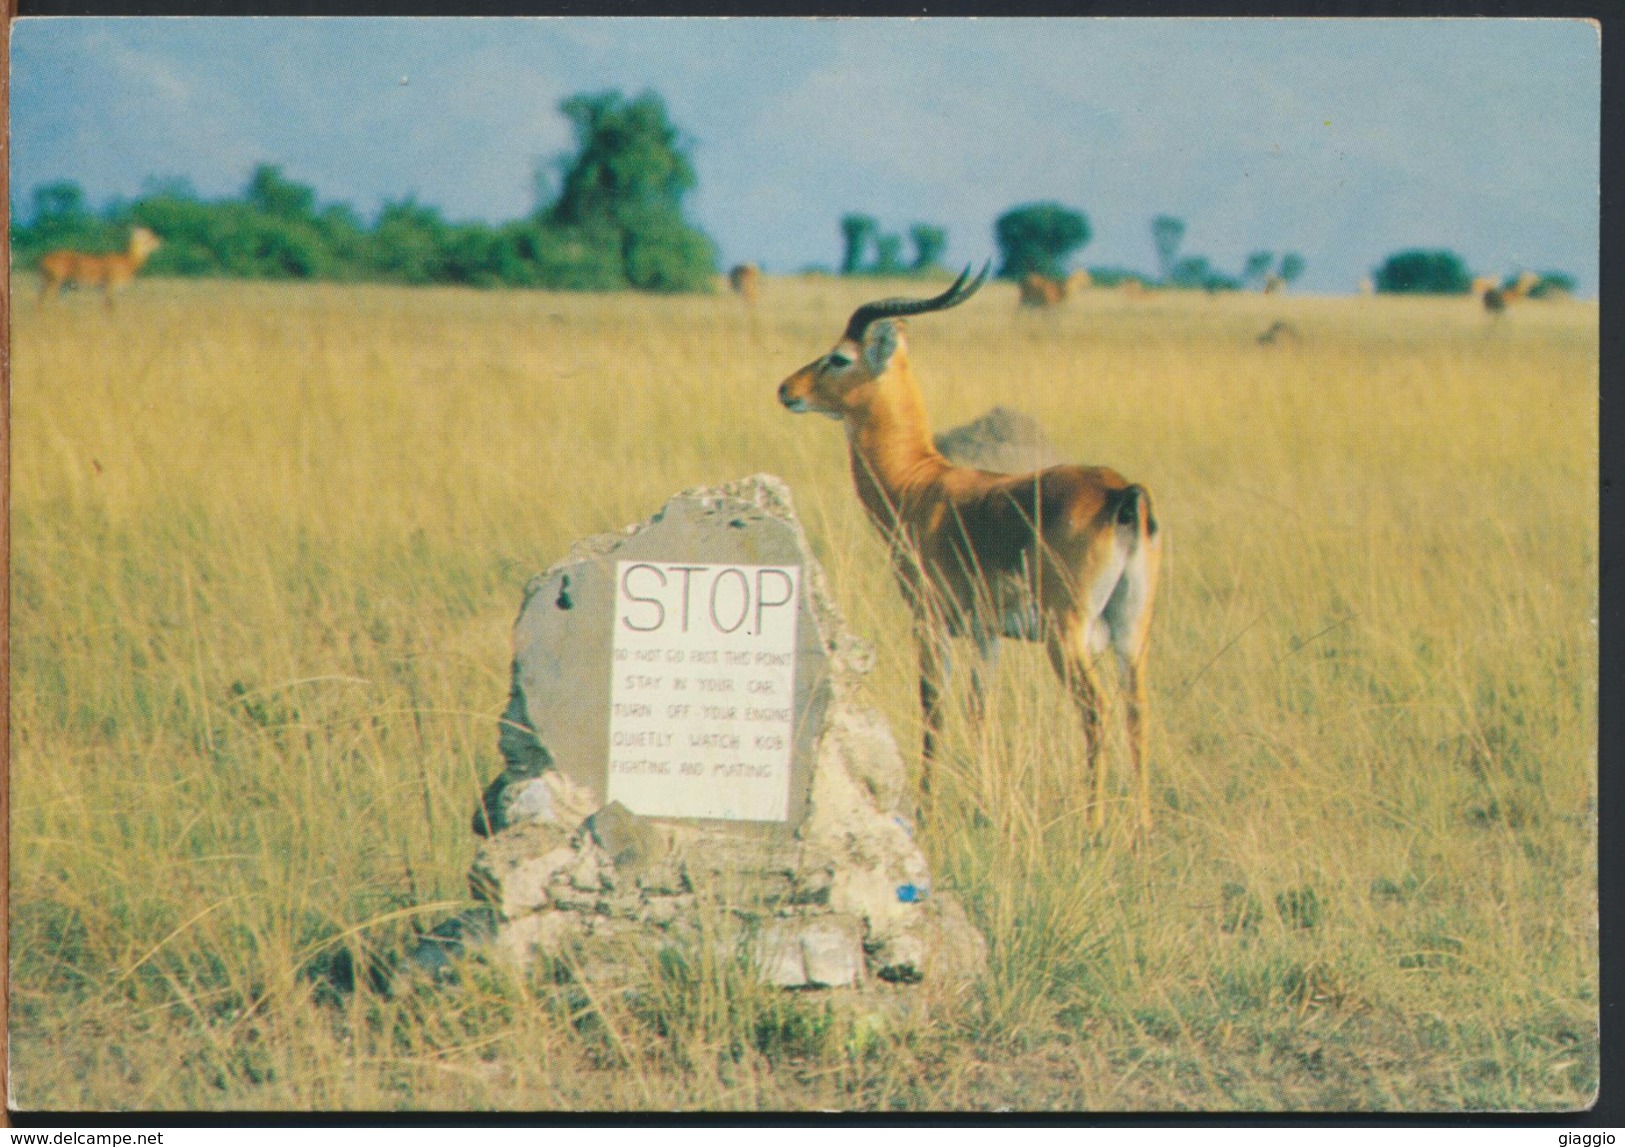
{"x":1040,"y":239}
{"x":615,"y":222}
{"x":1439,"y":272}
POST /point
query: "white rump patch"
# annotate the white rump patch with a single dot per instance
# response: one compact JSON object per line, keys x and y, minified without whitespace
{"x":1127,"y":602}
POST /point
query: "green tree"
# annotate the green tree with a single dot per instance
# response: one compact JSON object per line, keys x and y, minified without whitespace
{"x":1193,"y":272}
{"x":468,"y":254}
{"x":628,"y":177}
{"x":889,"y":255}
{"x":929,"y":245}
{"x":61,"y":201}
{"x":61,"y":219}
{"x":663,"y":253}
{"x":345,"y":239}
{"x":1423,"y":273}
{"x":288,"y":252}
{"x":1553,"y":285}
{"x":1039,"y":238}
{"x":408,"y":243}
{"x":536,"y":254}
{"x":1257,"y":266}
{"x":1197,"y":273}
{"x":628,"y":158}
{"x":273,"y":195}
{"x":1166,"y":234}
{"x":1291,"y":268}
{"x":857,"y":232}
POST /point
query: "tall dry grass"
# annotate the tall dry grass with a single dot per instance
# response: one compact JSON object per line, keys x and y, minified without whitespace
{"x":269,"y":541}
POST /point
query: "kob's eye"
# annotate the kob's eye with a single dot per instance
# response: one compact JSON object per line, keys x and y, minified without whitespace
{"x":838,"y":361}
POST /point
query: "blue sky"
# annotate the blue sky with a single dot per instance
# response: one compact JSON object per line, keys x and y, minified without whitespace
{"x":1343,"y":140}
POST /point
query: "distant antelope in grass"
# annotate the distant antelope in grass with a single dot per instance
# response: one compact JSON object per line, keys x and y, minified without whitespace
{"x":110,"y":272}
{"x":746,"y":281}
{"x":1042,"y":291}
{"x":1280,"y":331}
{"x":1067,"y":555}
{"x":1496,"y":299}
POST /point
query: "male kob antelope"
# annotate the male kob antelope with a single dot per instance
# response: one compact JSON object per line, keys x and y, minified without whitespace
{"x":109,"y":272}
{"x":1067,"y":556}
{"x":1496,"y":299}
{"x":1042,"y":291}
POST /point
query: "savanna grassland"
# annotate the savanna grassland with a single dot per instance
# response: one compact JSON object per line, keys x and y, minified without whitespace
{"x":268,"y":542}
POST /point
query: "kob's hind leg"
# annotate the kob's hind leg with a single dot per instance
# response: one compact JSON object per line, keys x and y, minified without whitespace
{"x":1136,"y":704}
{"x":1068,"y":651}
{"x":1128,"y":619}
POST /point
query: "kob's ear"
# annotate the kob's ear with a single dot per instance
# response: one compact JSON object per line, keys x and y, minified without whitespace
{"x":881,"y":341}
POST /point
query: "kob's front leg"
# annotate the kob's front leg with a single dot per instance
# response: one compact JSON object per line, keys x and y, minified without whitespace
{"x":934,"y":670}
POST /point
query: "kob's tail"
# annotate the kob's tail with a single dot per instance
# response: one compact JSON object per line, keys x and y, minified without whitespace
{"x":1134,"y":511}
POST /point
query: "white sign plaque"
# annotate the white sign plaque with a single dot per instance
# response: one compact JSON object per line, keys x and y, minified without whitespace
{"x":702,"y":706}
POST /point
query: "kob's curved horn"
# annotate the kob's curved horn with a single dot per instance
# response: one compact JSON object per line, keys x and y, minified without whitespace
{"x":896,"y":308}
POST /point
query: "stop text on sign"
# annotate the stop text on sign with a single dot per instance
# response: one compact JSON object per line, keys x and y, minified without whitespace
{"x":655,"y":596}
{"x":702,"y":705}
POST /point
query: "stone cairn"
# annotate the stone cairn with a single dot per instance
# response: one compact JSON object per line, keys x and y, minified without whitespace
{"x":1002,"y":440}
{"x":838,"y":894}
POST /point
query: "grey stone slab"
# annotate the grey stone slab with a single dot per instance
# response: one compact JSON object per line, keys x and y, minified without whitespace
{"x":559,"y":711}
{"x":840,"y":895}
